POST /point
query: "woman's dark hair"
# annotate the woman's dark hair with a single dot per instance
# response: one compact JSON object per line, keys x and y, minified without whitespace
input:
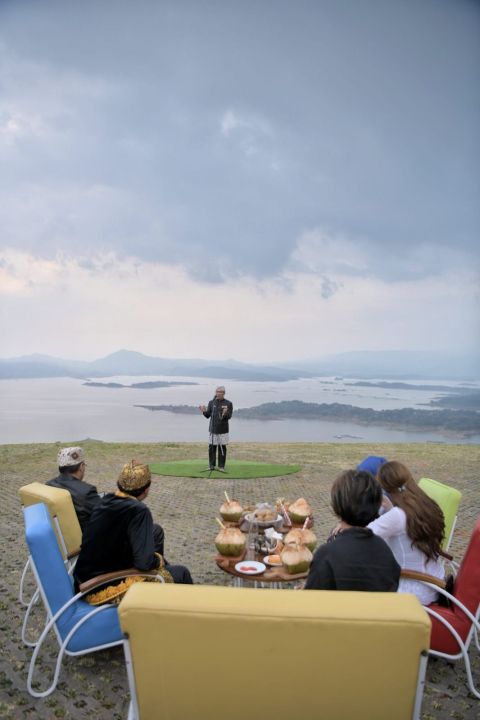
{"x":136,"y":492}
{"x":69,"y":469}
{"x":356,"y":497}
{"x":425,"y":521}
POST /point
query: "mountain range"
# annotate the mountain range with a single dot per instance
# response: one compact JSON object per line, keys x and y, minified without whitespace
{"x":381,"y":364}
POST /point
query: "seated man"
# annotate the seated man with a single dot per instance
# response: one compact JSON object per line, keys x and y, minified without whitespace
{"x":353,"y":559}
{"x":120,"y":533}
{"x":71,"y":465}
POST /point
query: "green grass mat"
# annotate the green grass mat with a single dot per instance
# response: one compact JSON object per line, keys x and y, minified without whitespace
{"x":236,"y":469}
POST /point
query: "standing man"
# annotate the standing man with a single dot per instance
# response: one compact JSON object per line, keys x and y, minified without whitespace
{"x":71,"y":466}
{"x":219,"y":410}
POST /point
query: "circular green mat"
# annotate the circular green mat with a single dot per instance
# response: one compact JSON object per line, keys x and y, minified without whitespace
{"x":236,"y":469}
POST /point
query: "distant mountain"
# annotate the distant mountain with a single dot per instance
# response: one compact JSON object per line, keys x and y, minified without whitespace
{"x":369,"y":365}
{"x":401,"y":364}
{"x":128,"y":362}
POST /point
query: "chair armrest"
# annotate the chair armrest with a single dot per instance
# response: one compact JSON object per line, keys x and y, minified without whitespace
{"x":445,"y":555}
{"x":414,"y":575}
{"x":94,"y":582}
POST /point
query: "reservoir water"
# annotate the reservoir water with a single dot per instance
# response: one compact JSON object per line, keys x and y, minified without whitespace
{"x":65,"y":409}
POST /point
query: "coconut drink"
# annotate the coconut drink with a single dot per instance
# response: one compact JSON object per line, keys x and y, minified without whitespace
{"x":299,"y":511}
{"x":302,"y":537}
{"x":230,"y":541}
{"x":296,"y":558}
{"x":231,"y":510}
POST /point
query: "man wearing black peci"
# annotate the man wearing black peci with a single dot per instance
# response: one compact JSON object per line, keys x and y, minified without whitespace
{"x":219,"y":410}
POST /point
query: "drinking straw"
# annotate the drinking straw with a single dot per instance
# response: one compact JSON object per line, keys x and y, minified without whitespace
{"x":285,"y":514}
{"x":226,"y":496}
{"x":304,"y":527}
{"x":220,"y":523}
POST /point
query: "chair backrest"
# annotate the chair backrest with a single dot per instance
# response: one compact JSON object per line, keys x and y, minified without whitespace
{"x":448,"y":498}
{"x":59,"y":503}
{"x":467,"y":591}
{"x":467,"y":581}
{"x":55,"y":583}
{"x":283,"y":653}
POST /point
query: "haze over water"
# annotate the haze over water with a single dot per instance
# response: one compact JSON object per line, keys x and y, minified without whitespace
{"x":64,"y":410}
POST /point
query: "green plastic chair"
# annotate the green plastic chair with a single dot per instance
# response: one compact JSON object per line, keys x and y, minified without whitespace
{"x":448,"y":498}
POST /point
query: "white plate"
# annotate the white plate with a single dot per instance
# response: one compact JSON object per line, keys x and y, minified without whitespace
{"x":267,"y":562}
{"x":257,"y":567}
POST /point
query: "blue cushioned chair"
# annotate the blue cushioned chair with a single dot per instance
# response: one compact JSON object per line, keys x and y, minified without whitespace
{"x":79,"y":627}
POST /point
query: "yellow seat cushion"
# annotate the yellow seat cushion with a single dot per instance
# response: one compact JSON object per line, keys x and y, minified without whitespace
{"x":59,"y":503}
{"x":213,"y":652}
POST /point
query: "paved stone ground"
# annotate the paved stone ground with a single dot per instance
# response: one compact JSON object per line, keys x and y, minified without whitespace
{"x":95,"y":686}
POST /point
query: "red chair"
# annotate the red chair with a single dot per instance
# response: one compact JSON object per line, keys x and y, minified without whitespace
{"x":454,"y":627}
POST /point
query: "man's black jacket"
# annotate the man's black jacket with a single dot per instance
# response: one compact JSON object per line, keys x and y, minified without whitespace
{"x":218,"y":423}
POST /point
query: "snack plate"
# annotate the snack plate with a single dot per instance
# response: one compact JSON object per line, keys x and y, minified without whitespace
{"x":266,"y":560}
{"x":250,"y":518}
{"x":250,"y":567}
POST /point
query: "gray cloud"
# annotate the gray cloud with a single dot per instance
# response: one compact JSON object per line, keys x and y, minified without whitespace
{"x":217,"y":136}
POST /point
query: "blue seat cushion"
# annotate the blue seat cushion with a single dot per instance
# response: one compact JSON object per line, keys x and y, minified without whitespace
{"x":101,"y":629}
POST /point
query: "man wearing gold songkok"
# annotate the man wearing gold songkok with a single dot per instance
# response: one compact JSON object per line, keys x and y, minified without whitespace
{"x":121,"y":533}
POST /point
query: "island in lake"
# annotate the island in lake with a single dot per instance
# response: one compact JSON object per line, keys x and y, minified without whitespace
{"x":142,"y":385}
{"x":461,"y":422}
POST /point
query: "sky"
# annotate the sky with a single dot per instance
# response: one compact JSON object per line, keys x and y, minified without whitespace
{"x":267,"y":181}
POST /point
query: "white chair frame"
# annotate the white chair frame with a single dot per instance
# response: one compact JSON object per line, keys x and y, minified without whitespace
{"x":63,"y":643}
{"x":464,"y":646}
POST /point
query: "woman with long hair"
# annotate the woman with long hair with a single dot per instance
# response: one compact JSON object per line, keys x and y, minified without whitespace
{"x":413,"y":526}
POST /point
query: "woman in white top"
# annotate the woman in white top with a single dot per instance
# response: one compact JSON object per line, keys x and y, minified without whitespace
{"x":413,"y":526}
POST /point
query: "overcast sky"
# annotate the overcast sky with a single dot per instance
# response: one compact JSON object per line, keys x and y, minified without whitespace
{"x":265,"y":180}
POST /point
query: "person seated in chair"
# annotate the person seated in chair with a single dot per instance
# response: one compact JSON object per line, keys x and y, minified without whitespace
{"x":354,"y":558}
{"x":413,"y":526}
{"x":120,"y":534}
{"x":72,"y":466}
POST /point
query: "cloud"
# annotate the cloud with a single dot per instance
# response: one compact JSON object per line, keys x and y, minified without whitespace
{"x":159,"y":309}
{"x":228,"y":155}
{"x":307,"y":183}
{"x":251,"y":133}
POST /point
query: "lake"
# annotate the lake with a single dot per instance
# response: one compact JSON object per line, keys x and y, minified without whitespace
{"x":64,"y":410}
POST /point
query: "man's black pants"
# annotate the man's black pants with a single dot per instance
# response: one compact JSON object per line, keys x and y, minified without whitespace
{"x":222,"y":455}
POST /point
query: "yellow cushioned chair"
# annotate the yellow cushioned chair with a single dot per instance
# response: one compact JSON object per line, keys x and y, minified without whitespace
{"x":448,"y":498}
{"x":60,"y":506}
{"x":201,"y":652}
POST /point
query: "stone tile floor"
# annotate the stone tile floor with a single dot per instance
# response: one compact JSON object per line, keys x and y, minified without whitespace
{"x":95,"y":685}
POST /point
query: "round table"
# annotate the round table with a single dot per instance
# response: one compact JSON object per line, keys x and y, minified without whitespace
{"x":274,"y":577}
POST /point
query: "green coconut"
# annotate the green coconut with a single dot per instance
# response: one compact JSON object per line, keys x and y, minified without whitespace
{"x":299,"y":511}
{"x":231,"y":511}
{"x":302,"y":536}
{"x":296,"y":558}
{"x":230,"y":542}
